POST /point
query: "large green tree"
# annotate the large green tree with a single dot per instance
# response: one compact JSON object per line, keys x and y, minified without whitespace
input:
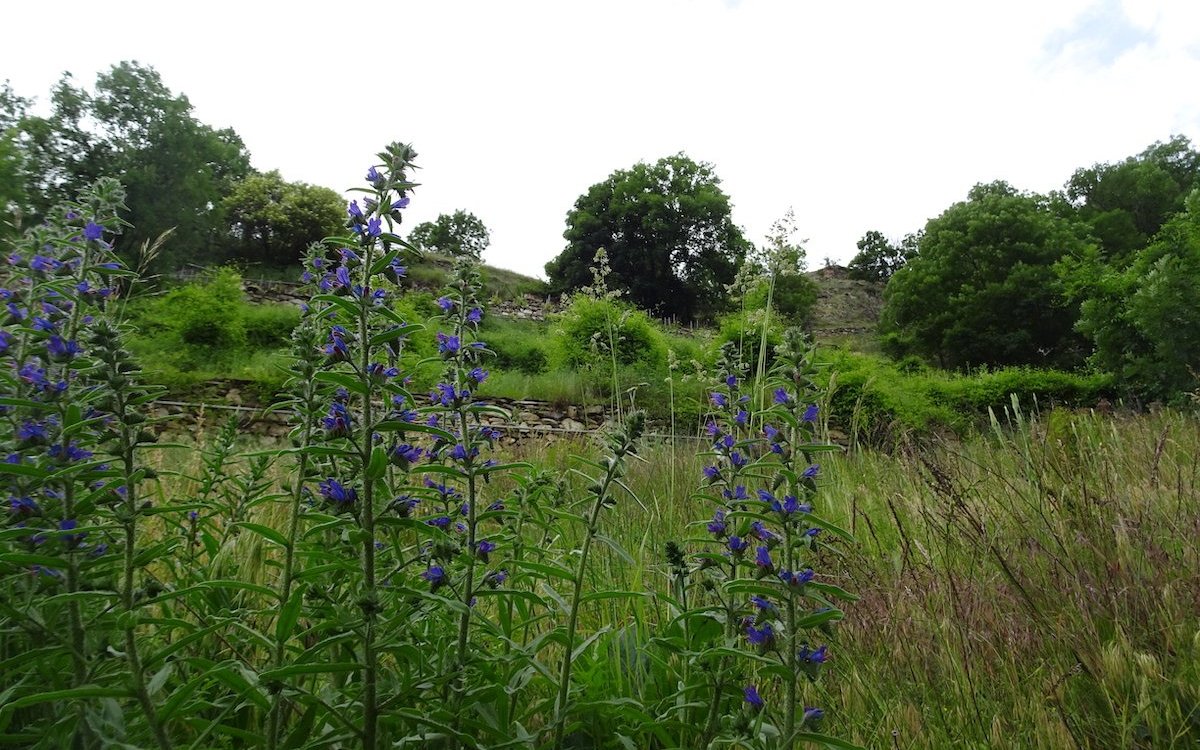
{"x":460,"y":233}
{"x":1144,"y":319}
{"x":983,"y":288}
{"x":667,"y":227}
{"x":878,"y":257}
{"x":1127,"y":202}
{"x":274,"y":220}
{"x":176,"y":170}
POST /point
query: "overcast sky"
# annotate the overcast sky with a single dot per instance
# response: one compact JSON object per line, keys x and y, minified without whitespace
{"x":859,"y":115}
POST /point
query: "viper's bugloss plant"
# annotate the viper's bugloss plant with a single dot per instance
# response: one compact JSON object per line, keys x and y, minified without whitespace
{"x":355,"y":416}
{"x":73,"y":416}
{"x":761,"y":482}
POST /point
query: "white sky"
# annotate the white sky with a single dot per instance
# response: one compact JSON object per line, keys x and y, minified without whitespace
{"x":859,"y":115}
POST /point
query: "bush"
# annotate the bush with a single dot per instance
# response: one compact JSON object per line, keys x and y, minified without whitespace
{"x":586,"y":330}
{"x":519,"y":345}
{"x":269,"y":326}
{"x":745,"y":331}
{"x":207,"y":314}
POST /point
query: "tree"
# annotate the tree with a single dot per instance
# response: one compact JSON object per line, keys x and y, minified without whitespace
{"x":460,"y":233}
{"x":983,"y":288}
{"x":878,"y":258}
{"x":276,"y":220}
{"x":1126,"y":203}
{"x":1144,"y":321}
{"x":176,"y":170}
{"x":671,"y":242}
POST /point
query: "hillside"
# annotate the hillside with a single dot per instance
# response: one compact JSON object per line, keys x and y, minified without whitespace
{"x":845,"y":306}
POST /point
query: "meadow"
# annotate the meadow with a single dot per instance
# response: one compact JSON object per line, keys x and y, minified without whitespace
{"x":826,"y":549}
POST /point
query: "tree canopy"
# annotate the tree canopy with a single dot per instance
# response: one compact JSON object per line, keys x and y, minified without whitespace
{"x":983,"y":289}
{"x":878,"y":257}
{"x":175,"y":169}
{"x":276,"y":220}
{"x":460,"y":233}
{"x":669,"y":234}
{"x":1126,"y":203}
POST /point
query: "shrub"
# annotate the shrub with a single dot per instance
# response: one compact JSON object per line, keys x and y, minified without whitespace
{"x":745,"y":331}
{"x":589,"y":327}
{"x":269,"y":326}
{"x":207,"y":314}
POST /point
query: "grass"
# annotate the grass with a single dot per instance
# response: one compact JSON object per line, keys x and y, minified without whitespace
{"x":1033,"y":586}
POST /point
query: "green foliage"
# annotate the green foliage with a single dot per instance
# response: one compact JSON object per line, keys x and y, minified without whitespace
{"x":671,"y":241}
{"x":275,"y":220}
{"x":879,"y":401}
{"x":176,"y":170}
{"x":269,"y":326}
{"x":878,"y":258}
{"x":983,"y":290}
{"x":590,"y":333}
{"x":744,"y":332}
{"x":206,"y":314}
{"x":1126,"y":203}
{"x":520,"y":346}
{"x":1144,"y":320}
{"x":452,"y":234}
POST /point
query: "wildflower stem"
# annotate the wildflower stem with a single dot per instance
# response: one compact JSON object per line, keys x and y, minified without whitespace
{"x":370,"y":602}
{"x":128,"y":441}
{"x":564,"y":673}
{"x":289,"y":561}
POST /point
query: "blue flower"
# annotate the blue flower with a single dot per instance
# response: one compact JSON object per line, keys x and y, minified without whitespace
{"x":763,"y":604}
{"x":337,"y":422}
{"x":718,"y":399}
{"x":810,"y":414}
{"x":811,"y":716}
{"x":753,"y":698}
{"x":737,"y":545}
{"x":93,"y":231}
{"x":445,"y":303}
{"x":805,"y":656}
{"x":402,"y":203}
{"x":495,"y":579}
{"x":404,"y":454}
{"x":712,"y":473}
{"x":474,"y":315}
{"x":478,"y":375}
{"x":763,"y":637}
{"x":374,"y":227}
{"x":781,"y":396}
{"x":448,"y":345}
{"x":717,"y":526}
{"x":811,"y":472}
{"x":373,"y":175}
{"x":762,"y":559}
{"x":354,"y":210}
{"x":796,"y":580}
{"x":483,"y":548}
{"x":340,"y":496}
{"x":731,"y":381}
{"x":436,"y":576}
{"x":761,"y":532}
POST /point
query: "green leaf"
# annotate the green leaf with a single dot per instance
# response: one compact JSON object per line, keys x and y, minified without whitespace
{"x":70,"y":694}
{"x":392,"y":334}
{"x":545,"y":569}
{"x":350,"y":382}
{"x":292,"y":670}
{"x":290,"y":613}
{"x":241,"y":586}
{"x":266,"y":532}
{"x":378,"y":463}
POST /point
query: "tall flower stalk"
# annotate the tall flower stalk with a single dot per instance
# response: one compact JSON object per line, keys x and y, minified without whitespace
{"x":360,"y":338}
{"x":621,"y":443}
